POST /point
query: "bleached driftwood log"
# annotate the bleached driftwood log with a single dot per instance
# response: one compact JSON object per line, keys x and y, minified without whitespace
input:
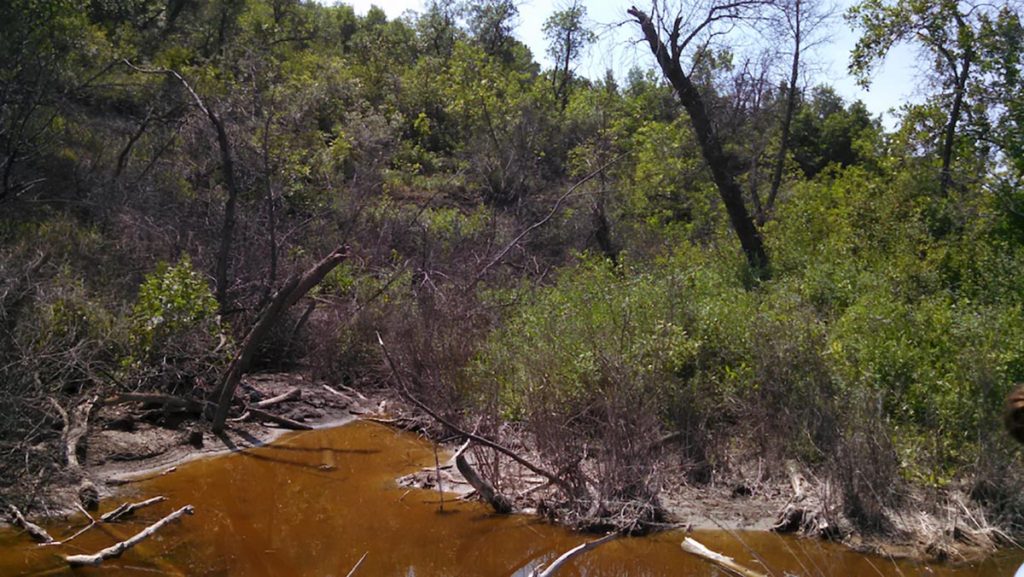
{"x":125,"y":509}
{"x":568,"y":555}
{"x":728,"y":563}
{"x":118,"y":549}
{"x":293,"y":394}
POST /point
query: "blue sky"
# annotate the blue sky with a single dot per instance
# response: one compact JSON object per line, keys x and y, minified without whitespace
{"x":895,"y":81}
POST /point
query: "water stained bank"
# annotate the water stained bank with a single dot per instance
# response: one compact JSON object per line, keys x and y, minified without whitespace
{"x":313,"y":503}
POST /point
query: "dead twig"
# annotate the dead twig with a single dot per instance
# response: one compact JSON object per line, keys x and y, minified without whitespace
{"x":92,"y":523}
{"x":358,"y":563}
{"x":554,"y":210}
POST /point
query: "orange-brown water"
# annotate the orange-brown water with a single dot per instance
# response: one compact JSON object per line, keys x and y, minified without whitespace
{"x":275,"y":511}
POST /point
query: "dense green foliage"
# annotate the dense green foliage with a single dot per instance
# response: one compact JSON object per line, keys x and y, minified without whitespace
{"x":537,"y":247}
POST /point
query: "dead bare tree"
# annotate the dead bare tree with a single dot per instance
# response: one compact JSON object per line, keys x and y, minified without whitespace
{"x":669,"y":53}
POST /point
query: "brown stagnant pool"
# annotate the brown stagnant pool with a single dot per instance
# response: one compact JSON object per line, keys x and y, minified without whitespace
{"x":275,"y":511}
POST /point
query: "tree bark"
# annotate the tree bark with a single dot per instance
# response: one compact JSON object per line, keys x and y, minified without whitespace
{"x":289,"y":294}
{"x":710,"y":144}
{"x":949,"y":141}
{"x":496,"y":500}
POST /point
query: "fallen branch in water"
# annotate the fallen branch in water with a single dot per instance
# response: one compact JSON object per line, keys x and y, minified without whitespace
{"x":697,"y":548}
{"x":118,"y":549}
{"x":568,"y":555}
{"x":35,"y":531}
{"x":77,"y":534}
{"x":125,"y":509}
{"x":358,"y":563}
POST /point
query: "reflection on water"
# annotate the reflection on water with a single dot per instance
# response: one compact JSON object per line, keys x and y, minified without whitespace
{"x":315,"y":502}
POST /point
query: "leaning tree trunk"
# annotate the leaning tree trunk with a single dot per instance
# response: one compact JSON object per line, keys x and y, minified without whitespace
{"x":289,"y":294}
{"x":710,"y":145}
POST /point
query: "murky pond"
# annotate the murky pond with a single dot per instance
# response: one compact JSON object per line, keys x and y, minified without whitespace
{"x":313,"y":503}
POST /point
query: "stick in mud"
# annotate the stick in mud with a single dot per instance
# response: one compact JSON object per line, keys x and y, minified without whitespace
{"x":119,"y":548}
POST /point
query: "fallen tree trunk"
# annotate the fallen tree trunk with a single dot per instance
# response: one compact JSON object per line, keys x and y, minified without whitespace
{"x":37,"y":533}
{"x":118,"y":549}
{"x":695,"y":547}
{"x":568,"y":555}
{"x":487,"y":492}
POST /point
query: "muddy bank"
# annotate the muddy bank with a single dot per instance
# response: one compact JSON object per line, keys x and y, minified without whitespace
{"x":316,"y":502}
{"x":130,"y":442}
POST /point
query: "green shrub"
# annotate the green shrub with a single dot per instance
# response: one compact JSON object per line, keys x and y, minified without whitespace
{"x":176,"y":334}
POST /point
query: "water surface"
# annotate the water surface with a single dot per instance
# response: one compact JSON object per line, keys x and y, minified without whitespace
{"x":313,"y":503}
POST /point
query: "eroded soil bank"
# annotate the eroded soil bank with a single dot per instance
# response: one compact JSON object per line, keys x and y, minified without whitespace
{"x":314,"y":503}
